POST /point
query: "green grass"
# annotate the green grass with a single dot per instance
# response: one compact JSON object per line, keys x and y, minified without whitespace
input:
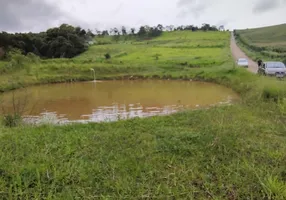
{"x":226,"y":152}
{"x":197,"y":48}
{"x":266,"y":42}
{"x":172,"y":53}
{"x":190,"y":155}
{"x":271,"y":36}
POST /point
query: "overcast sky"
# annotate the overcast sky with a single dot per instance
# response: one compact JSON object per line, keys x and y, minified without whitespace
{"x":38,"y":15}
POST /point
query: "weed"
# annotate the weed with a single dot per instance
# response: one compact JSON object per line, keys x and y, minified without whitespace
{"x":12,"y":120}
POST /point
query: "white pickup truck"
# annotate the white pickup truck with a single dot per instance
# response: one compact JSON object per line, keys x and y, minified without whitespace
{"x":272,"y":68}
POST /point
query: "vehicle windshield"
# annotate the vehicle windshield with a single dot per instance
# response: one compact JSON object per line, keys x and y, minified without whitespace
{"x":242,"y":60}
{"x":275,"y":65}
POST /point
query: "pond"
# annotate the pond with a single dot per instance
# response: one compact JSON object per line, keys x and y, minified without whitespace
{"x":112,"y":100}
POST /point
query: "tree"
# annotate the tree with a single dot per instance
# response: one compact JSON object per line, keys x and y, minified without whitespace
{"x":170,"y":28}
{"x":142,"y":31}
{"x":2,"y":53}
{"x":90,"y":33}
{"x":180,"y":28}
{"x":133,"y":31}
{"x":206,"y":27}
{"x":104,"y":33}
{"x":221,"y":28}
{"x":78,"y":30}
{"x":82,"y":32}
{"x":98,"y":32}
{"x":116,"y":31}
{"x":195,"y":28}
{"x":147,"y":28}
{"x":160,"y":27}
{"x":213,"y":28}
{"x":123,"y":30}
{"x":63,"y":41}
{"x":154,"y":32}
{"x":111,"y":31}
{"x":5,"y":40}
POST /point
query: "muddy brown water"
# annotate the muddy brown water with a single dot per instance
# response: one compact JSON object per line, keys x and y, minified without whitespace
{"x":113,"y":100}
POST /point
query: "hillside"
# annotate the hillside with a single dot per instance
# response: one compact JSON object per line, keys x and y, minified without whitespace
{"x":267,"y":42}
{"x":180,"y":53}
{"x":193,"y":49}
{"x":225,"y":152}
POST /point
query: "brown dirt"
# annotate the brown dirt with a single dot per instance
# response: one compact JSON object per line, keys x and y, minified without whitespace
{"x":238,"y":53}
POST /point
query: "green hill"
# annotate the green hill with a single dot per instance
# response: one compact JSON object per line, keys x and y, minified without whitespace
{"x":234,"y":151}
{"x":172,"y":48}
{"x":177,"y":53}
{"x":267,"y":42}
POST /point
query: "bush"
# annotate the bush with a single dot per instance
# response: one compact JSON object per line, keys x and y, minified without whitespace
{"x":107,"y":56}
{"x":156,"y":56}
{"x":17,"y":59}
{"x":12,"y":120}
{"x":33,"y":58}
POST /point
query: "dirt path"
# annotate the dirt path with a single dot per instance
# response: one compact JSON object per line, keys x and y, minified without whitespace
{"x":238,"y":53}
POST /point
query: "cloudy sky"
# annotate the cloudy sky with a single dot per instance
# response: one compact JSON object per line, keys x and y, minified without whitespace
{"x":38,"y":15}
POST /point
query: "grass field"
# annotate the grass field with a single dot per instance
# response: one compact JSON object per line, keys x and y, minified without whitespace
{"x":191,"y":155}
{"x":267,"y":42}
{"x":227,"y":152}
{"x":198,"y":49}
{"x":172,"y":53}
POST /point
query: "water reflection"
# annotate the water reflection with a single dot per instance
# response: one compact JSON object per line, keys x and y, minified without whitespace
{"x":110,"y":113}
{"x":106,"y":114}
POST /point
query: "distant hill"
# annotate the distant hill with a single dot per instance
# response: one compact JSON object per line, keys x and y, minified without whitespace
{"x":269,"y":41}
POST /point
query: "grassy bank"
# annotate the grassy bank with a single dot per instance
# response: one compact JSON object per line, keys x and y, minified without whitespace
{"x":229,"y":152}
{"x":191,"y":155}
{"x":266,"y":43}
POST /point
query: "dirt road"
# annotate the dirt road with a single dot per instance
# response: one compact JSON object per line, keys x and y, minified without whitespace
{"x":238,"y":53}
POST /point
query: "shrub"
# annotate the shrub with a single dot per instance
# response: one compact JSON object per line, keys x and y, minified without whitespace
{"x":156,"y":56}
{"x":12,"y":120}
{"x":33,"y":58}
{"x":107,"y":56}
{"x":184,"y":63}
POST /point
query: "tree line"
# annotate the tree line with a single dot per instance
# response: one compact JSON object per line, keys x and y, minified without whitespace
{"x":63,"y":41}
{"x":67,"y":41}
{"x":147,"y":31}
